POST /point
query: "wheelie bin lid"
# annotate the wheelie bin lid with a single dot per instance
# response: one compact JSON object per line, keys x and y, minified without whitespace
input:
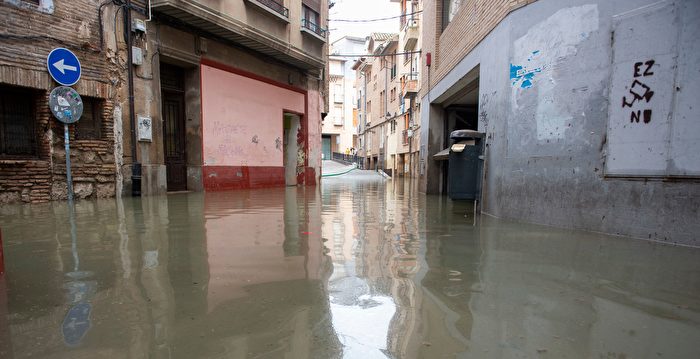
{"x":465,"y":134}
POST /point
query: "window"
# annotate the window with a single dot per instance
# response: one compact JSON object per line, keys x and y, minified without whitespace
{"x":392,"y":94}
{"x":449,"y":10}
{"x":308,"y":15}
{"x":369,"y":106}
{"x":17,"y":122}
{"x":338,"y":93}
{"x":338,"y":115}
{"x":310,"y":20}
{"x":382,"y":100}
{"x":90,"y":123}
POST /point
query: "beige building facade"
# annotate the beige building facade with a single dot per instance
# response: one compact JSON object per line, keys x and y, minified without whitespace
{"x":176,"y":68}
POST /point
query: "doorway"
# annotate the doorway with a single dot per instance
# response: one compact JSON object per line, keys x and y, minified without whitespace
{"x":327,"y":153}
{"x":173,"y":112}
{"x":290,"y":148}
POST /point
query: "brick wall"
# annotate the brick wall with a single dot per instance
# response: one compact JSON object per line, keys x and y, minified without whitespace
{"x":472,"y":23}
{"x":28,"y":34}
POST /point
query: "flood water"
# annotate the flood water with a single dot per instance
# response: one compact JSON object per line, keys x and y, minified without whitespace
{"x":355,"y":268}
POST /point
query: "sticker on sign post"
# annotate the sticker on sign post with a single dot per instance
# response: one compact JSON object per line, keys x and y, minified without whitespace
{"x":65,"y":103}
{"x":63,"y":66}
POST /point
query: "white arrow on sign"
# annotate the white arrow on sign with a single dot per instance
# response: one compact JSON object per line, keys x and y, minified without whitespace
{"x":63,"y":67}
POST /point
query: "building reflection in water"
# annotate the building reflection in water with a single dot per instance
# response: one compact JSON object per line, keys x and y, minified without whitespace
{"x":355,"y":269}
{"x":451,"y":285}
{"x":190,"y":275}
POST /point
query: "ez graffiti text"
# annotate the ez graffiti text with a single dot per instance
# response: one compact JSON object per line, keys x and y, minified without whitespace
{"x":639,"y":92}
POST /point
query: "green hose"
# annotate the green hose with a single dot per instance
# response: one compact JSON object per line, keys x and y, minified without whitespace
{"x":338,"y":174}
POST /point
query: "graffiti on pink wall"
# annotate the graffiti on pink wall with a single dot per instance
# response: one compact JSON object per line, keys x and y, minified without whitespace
{"x":243,"y":119}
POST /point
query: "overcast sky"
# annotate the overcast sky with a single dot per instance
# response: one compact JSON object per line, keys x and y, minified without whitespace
{"x":361,"y":10}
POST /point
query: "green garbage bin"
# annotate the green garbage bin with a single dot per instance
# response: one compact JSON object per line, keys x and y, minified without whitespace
{"x":465,"y":165}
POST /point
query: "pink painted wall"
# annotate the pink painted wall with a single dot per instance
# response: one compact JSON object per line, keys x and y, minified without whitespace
{"x":245,"y":249}
{"x":235,"y":109}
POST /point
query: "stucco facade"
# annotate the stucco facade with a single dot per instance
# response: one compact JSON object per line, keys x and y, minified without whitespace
{"x":587,"y":109}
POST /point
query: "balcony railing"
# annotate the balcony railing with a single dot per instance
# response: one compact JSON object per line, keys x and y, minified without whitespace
{"x":411,"y":33}
{"x":313,"y":28}
{"x":274,"y":6}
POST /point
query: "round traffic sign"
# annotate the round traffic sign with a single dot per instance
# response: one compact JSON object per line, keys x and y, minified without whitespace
{"x":63,"y":66}
{"x":66,"y":104}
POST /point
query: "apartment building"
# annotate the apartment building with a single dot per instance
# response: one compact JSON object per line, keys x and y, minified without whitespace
{"x":180,"y":95}
{"x":340,"y":126}
{"x":378,"y":75}
{"x":588,"y":110}
{"x":408,"y":136}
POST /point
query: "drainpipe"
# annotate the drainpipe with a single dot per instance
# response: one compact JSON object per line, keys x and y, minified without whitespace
{"x":135,"y":165}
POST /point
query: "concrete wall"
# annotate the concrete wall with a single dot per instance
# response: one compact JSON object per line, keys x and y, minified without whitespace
{"x":552,"y":78}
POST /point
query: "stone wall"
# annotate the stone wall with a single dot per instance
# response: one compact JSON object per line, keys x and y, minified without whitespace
{"x":28,"y":34}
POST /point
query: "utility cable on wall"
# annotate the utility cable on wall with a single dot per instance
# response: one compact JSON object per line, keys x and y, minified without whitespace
{"x":379,"y":19}
{"x":375,"y":55}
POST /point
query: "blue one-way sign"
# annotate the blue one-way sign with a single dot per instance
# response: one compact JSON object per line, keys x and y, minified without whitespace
{"x":63,"y":66}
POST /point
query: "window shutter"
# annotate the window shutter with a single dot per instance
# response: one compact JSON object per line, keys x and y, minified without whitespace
{"x":313,"y":4}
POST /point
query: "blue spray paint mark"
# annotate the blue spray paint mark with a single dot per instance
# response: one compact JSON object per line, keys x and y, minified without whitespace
{"x":524,"y":75}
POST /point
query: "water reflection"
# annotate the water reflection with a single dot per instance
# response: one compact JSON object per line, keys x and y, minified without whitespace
{"x":193,"y":275}
{"x":358,"y":268}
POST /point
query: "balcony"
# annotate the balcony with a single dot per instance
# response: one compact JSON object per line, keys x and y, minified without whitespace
{"x":221,"y":24}
{"x":410,"y":35}
{"x":409,"y":88}
{"x":314,"y":30}
{"x":273,"y":7}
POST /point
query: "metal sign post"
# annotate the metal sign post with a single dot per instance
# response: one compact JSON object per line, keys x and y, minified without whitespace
{"x":69,"y":178}
{"x":67,"y":106}
{"x":64,"y":102}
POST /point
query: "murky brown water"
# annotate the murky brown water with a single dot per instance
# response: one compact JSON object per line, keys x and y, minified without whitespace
{"x":355,"y":269}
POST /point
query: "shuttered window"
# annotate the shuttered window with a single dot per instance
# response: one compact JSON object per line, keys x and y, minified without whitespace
{"x":17,"y":122}
{"x":313,"y":4}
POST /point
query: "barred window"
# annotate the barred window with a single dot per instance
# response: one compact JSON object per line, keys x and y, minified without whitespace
{"x":17,"y":122}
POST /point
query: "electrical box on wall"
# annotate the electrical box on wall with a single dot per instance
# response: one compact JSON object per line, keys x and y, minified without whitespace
{"x":138,"y":25}
{"x":136,"y":56}
{"x":145,"y":129}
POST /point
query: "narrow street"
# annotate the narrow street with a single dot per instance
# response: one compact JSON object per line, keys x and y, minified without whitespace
{"x":359,"y":267}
